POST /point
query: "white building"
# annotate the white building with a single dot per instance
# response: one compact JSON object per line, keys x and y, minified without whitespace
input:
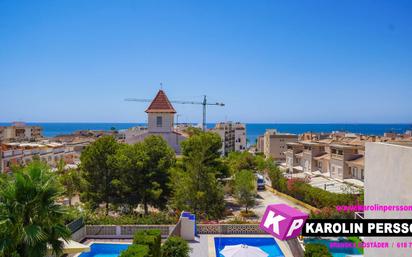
{"x":48,"y":152}
{"x":160,"y":114}
{"x":233,"y":136}
{"x":20,"y":131}
{"x":388,"y":181}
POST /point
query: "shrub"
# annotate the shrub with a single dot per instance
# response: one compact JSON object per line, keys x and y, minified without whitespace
{"x":175,"y":247}
{"x":136,"y":251}
{"x":330,"y":213}
{"x":248,"y":214}
{"x":152,"y":238}
{"x":131,"y":219}
{"x":317,"y":250}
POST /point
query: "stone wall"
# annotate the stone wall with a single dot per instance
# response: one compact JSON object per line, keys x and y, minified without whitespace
{"x":124,"y":231}
{"x":233,"y":229}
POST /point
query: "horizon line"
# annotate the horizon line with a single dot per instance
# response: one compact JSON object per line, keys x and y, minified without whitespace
{"x":297,"y":123}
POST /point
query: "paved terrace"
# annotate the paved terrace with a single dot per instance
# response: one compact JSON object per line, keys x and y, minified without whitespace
{"x":332,"y":185}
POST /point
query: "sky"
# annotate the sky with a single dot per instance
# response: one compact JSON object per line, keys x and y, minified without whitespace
{"x":317,"y":61}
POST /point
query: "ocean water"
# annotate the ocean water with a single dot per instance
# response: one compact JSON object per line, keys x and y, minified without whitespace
{"x":253,"y":130}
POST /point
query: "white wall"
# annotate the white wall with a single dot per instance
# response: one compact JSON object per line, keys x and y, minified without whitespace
{"x":388,"y":181}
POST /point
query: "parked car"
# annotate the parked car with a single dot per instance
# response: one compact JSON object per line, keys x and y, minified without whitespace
{"x":260,"y":180}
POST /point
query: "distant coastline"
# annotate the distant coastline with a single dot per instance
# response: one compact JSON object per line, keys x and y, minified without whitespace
{"x":51,"y":129}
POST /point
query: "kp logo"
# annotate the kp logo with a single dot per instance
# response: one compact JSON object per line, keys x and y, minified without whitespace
{"x":283,"y":221}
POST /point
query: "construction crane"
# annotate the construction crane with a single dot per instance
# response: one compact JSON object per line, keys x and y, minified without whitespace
{"x":204,"y":103}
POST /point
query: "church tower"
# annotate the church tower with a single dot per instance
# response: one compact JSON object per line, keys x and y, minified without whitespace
{"x":160,"y":114}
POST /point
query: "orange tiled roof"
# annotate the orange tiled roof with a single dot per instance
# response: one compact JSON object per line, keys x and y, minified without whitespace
{"x":161,"y":104}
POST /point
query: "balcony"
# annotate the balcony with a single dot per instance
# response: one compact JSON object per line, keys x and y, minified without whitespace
{"x":58,"y":150}
{"x":45,"y":151}
{"x":7,"y":153}
{"x":17,"y":152}
{"x":27,"y":152}
{"x":336,"y":156}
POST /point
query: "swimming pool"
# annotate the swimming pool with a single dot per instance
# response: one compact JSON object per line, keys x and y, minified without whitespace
{"x":267,"y":244}
{"x":105,"y":250}
{"x":336,"y":252}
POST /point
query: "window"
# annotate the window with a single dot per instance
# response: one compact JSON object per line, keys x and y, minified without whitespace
{"x":159,"y":121}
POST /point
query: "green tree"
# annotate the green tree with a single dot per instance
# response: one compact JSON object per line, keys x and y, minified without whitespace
{"x":30,"y":218}
{"x":72,"y":182}
{"x":276,"y":177}
{"x":101,"y":179}
{"x":144,"y":168}
{"x":238,"y":161}
{"x":160,"y":157}
{"x":60,"y":166}
{"x":195,"y":184}
{"x":245,"y":188}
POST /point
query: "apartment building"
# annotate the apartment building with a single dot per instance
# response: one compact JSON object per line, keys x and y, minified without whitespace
{"x":48,"y":152}
{"x":19,"y":131}
{"x":260,"y":142}
{"x":327,"y":158}
{"x":233,"y":135}
{"x":275,"y":144}
{"x":293,"y":157}
{"x":388,"y":181}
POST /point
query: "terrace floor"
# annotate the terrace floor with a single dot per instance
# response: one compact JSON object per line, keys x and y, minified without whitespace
{"x":332,"y":185}
{"x":199,"y":247}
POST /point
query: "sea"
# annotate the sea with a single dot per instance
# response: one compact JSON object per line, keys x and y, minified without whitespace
{"x":253,"y":130}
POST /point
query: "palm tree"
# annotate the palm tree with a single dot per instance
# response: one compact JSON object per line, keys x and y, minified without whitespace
{"x":72,"y":181}
{"x":31,"y":221}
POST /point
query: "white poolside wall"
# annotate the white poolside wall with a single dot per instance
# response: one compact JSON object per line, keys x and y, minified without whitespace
{"x":388,"y":181}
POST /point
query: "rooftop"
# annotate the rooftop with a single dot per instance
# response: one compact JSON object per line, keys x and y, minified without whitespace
{"x":160,"y":104}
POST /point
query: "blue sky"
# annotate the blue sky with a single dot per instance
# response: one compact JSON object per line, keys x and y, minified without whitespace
{"x":268,"y":61}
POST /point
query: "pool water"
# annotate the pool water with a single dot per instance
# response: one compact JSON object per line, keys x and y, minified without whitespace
{"x":336,"y":252}
{"x":267,"y":244}
{"x":105,"y":250}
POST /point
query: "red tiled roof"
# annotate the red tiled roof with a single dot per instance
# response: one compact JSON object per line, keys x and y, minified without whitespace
{"x":161,"y":104}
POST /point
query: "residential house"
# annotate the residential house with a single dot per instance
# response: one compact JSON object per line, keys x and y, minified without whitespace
{"x":293,"y":161}
{"x":310,"y":151}
{"x":339,"y":155}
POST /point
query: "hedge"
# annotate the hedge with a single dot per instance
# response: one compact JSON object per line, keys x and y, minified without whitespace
{"x":175,"y":247}
{"x":317,"y":250}
{"x":152,"y":238}
{"x":136,"y":251}
{"x":152,"y":219}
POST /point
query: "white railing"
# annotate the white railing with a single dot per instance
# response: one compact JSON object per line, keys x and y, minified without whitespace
{"x":8,"y":153}
{"x":17,"y":152}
